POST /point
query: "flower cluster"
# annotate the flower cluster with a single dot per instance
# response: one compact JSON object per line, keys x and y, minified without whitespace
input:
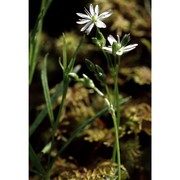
{"x":93,"y":18}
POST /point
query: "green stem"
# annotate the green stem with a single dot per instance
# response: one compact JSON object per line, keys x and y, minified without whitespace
{"x":118,"y":107}
{"x":108,"y":93}
{"x":116,"y":149}
{"x":116,"y":116}
{"x":117,"y":144}
{"x":109,"y":62}
{"x":65,"y":88}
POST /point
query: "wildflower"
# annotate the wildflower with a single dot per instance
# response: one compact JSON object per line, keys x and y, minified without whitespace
{"x":91,"y":18}
{"x":117,"y":47}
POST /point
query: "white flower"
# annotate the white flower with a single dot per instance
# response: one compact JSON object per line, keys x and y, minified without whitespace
{"x":120,"y":49}
{"x":91,"y":18}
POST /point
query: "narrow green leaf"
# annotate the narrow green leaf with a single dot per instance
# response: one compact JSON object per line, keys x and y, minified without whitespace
{"x":78,"y":130}
{"x":36,"y":172}
{"x":64,"y":52}
{"x":124,"y":100}
{"x":34,"y":45}
{"x":40,"y":117}
{"x":46,"y":90}
{"x":35,"y":160}
{"x":72,"y":60}
{"x":43,"y":112}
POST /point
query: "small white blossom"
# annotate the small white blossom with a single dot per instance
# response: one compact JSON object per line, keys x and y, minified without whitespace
{"x":120,"y":49}
{"x":91,"y":18}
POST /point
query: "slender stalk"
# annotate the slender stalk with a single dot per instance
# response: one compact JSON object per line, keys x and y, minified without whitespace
{"x":65,"y":88}
{"x":113,"y":67}
{"x":107,"y":92}
{"x":118,"y":107}
{"x":117,"y":143}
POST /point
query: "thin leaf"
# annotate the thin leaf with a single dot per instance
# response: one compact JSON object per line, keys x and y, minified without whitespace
{"x":36,"y":172}
{"x":35,"y":44}
{"x":40,"y":117}
{"x":78,"y":130}
{"x":35,"y":160}
{"x":72,"y":60}
{"x":124,"y":100}
{"x":64,"y":52}
{"x":34,"y":38}
{"x":43,"y":112}
{"x":46,"y":90}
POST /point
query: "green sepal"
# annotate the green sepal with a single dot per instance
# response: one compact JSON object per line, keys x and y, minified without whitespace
{"x":96,"y":42}
{"x":99,"y":40}
{"x":126,"y":38}
{"x":115,"y":48}
{"x":90,"y":65}
{"x":99,"y":74}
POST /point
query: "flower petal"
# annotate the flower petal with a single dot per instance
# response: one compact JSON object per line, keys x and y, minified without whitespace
{"x":83,"y":15}
{"x":86,"y":26}
{"x":88,"y":30}
{"x":105,"y":15}
{"x":97,"y":10}
{"x":109,"y":49}
{"x":100,"y":24}
{"x":83,"y":21}
{"x":91,"y":9}
{"x":129,"y":47}
{"x":111,"y":39}
{"x":119,"y":53}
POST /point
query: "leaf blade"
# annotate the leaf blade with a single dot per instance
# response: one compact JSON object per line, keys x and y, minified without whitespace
{"x":35,"y":160}
{"x":46,"y":90}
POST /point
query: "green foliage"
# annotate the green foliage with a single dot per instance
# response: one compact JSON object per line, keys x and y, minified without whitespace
{"x":46,"y":90}
{"x":66,"y":70}
{"x":35,"y":38}
{"x":41,"y":116}
{"x":35,"y":160}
